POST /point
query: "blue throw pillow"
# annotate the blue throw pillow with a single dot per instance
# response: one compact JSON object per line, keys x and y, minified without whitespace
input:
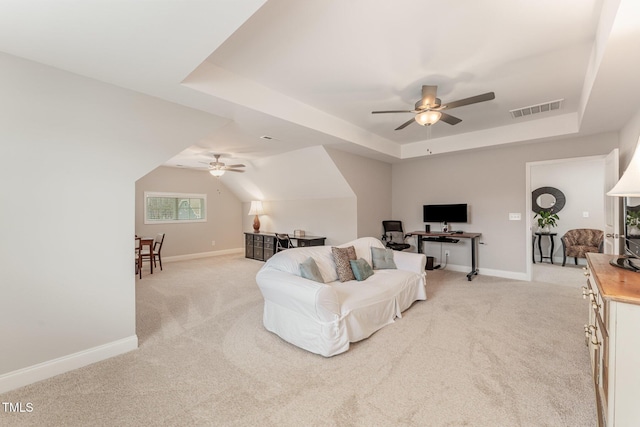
{"x":382,"y":259}
{"x":309,"y":270}
{"x":361,"y":269}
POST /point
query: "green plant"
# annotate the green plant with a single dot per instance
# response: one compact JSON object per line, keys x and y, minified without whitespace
{"x":546,"y":218}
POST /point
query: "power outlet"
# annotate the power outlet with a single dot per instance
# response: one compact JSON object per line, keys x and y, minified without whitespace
{"x":447,"y":253}
{"x":213,"y":243}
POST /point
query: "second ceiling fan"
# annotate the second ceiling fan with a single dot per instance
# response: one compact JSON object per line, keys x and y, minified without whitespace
{"x":430,"y":110}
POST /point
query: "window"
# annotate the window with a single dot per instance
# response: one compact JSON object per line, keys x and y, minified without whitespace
{"x":160,"y":208}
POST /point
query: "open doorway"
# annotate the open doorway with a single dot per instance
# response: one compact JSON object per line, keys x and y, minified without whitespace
{"x":581,"y":180}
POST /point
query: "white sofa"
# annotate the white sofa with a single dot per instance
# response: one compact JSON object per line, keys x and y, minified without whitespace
{"x":324,"y":318}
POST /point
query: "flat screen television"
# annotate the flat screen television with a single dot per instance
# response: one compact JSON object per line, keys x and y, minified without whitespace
{"x":445,"y":213}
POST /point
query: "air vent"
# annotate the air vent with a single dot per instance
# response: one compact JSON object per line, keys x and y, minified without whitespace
{"x":535,"y":109}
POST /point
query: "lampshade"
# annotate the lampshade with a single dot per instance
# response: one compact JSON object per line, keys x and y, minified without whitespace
{"x":216,"y":172}
{"x":427,"y":118}
{"x":256,"y":208}
{"x":629,"y":184}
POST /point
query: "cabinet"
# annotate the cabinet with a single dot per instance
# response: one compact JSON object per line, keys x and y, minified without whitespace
{"x":259,"y":246}
{"x":612,"y":336}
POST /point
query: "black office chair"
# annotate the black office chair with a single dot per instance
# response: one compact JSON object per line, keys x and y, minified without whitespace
{"x":395,"y":235}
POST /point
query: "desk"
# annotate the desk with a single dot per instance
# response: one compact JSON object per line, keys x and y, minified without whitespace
{"x":305,"y":241}
{"x":423,"y":236}
{"x":552,"y":238}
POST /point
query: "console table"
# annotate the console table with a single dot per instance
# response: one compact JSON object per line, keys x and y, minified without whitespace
{"x":262,"y":246}
{"x":552,"y":238}
{"x":613,"y":339}
{"x":424,"y":236}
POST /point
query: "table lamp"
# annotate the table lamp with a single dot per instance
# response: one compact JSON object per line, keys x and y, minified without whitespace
{"x":256,"y":209}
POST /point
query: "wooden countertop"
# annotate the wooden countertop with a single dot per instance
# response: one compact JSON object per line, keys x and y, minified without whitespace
{"x":615,"y":284}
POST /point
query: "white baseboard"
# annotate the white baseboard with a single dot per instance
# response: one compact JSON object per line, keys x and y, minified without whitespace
{"x":202,"y":255}
{"x":51,"y":368}
{"x":514,"y":275}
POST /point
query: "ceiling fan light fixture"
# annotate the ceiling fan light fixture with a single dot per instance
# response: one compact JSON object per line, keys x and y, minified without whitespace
{"x":216,"y":172}
{"x":427,"y":118}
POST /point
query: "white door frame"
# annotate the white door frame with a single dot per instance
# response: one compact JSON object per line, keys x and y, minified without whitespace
{"x":528,"y":190}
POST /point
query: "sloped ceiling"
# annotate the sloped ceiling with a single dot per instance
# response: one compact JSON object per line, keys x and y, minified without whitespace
{"x":307,"y":173}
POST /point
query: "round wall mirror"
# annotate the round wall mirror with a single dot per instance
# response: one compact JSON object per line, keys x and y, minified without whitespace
{"x":547,"y":199}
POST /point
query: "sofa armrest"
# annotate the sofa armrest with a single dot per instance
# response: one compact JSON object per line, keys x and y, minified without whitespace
{"x":410,"y":261}
{"x":306,"y":297}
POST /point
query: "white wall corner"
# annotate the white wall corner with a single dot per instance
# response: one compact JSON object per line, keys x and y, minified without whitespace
{"x":41,"y":371}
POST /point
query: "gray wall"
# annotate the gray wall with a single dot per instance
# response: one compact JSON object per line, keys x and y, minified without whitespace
{"x":370,"y":180}
{"x":224,"y":213}
{"x":493,"y":183}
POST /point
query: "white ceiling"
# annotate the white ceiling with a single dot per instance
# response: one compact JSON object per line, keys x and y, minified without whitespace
{"x":310,"y":72}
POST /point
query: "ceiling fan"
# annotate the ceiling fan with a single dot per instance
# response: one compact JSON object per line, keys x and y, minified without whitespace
{"x":217,"y":168}
{"x":429,"y":109}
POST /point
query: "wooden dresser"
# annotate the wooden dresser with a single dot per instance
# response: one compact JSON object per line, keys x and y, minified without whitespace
{"x":613,"y":338}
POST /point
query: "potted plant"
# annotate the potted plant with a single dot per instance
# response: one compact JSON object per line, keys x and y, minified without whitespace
{"x":546,"y":220}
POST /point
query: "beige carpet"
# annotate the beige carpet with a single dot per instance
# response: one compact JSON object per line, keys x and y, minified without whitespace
{"x":491,"y":352}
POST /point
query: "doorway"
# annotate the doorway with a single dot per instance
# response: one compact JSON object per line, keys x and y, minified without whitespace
{"x":582,"y":181}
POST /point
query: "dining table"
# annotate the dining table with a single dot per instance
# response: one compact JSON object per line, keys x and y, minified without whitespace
{"x":147,"y":241}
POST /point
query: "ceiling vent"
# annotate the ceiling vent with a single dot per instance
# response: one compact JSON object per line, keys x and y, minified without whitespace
{"x":535,"y":109}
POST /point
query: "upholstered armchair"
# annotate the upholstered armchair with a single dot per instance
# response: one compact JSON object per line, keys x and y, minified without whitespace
{"x":576,"y":243}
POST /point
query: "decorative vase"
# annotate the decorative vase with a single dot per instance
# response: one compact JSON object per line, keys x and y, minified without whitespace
{"x":545,"y":229}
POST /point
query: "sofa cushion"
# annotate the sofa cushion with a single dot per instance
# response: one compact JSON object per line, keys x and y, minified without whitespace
{"x":382,"y":258}
{"x":361,"y":269}
{"x":309,"y":270}
{"x":341,"y":257}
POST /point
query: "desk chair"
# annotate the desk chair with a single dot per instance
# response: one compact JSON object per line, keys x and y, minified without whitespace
{"x":394,"y":232}
{"x":283,"y":241}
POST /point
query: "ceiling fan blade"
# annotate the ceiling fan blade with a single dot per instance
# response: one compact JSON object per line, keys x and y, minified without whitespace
{"x":429,"y":95}
{"x":236,"y":166}
{"x":447,"y":118}
{"x":474,"y":99}
{"x":405,"y":124}
{"x":234,"y":170}
{"x":392,"y":111}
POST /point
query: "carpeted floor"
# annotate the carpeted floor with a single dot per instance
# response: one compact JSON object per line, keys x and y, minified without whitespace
{"x":491,"y":352}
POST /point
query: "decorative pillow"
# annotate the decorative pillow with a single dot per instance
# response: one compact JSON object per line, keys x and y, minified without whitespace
{"x":382,"y":259}
{"x":342,"y":256}
{"x":361,"y":269}
{"x":309,"y":270}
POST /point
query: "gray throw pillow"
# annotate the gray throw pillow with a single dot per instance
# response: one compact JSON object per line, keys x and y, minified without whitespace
{"x":342,"y":256}
{"x":361,"y":269}
{"x":309,"y":270}
{"x":382,"y":259}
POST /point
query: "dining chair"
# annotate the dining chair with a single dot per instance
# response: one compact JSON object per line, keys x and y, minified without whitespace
{"x":157,"y":249}
{"x":138,"y":256}
{"x":283,"y":241}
